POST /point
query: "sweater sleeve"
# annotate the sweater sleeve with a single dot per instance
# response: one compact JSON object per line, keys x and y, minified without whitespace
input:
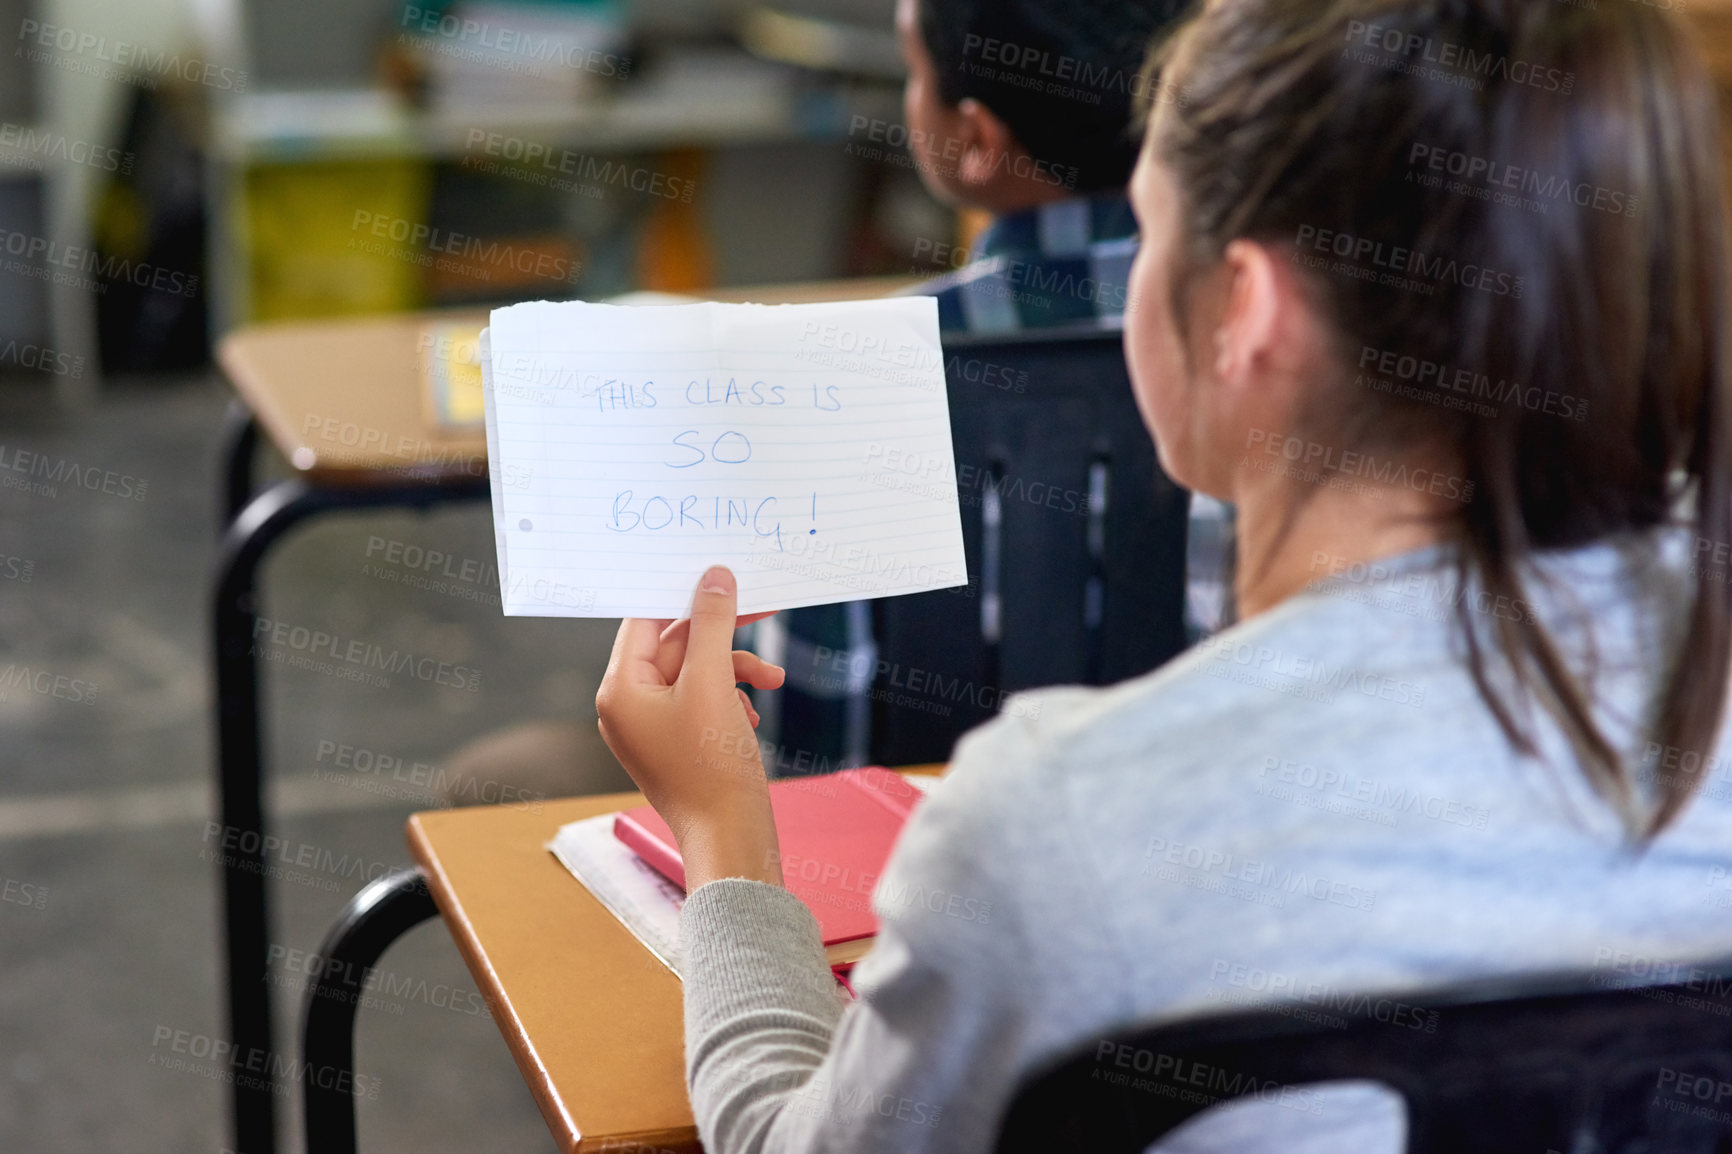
{"x":926,"y":1058}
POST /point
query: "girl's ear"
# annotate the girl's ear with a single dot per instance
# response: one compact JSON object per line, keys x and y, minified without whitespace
{"x":1257,"y":294}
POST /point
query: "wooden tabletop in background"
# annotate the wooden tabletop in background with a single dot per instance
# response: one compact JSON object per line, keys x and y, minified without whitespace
{"x":342,"y":399}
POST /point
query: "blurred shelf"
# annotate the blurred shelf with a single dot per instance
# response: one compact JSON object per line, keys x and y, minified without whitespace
{"x":696,"y":98}
{"x":823,"y":45}
{"x":284,"y":165}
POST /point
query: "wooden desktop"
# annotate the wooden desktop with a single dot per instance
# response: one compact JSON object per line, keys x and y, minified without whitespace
{"x":341,"y":400}
{"x":593,"y":1019}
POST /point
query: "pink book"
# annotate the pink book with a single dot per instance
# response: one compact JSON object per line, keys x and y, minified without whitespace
{"x":836,"y":832}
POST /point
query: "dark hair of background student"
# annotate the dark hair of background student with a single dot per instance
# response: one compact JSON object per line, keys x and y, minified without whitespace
{"x":1277,"y":116}
{"x":1063,"y":75}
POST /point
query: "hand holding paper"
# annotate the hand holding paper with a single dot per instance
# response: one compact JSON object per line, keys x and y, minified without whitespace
{"x":806,"y":447}
{"x":671,"y":711}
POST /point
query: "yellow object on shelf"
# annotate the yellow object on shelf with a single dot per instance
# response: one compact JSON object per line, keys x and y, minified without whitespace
{"x":450,"y":356}
{"x":674,"y":251}
{"x":338,"y":238}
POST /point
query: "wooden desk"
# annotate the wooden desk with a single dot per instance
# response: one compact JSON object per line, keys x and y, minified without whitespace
{"x":342,"y":403}
{"x":341,"y":399}
{"x":593,"y":1019}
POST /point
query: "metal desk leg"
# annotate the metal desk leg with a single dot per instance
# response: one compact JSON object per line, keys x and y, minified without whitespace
{"x":240,"y":442}
{"x":377,"y":916}
{"x":240,"y":845}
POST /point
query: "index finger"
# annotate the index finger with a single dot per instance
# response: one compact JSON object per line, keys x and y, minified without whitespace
{"x":635,"y":648}
{"x":679,"y":629}
{"x":675,"y":635}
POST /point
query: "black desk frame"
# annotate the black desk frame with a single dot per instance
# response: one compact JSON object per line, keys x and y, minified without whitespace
{"x":252,"y":523}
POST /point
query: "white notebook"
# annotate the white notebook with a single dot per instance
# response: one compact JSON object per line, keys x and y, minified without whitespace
{"x":807,"y":447}
{"x":645,"y":901}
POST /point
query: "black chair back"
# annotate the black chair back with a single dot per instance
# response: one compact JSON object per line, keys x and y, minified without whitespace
{"x":1561,"y":1066}
{"x":1075,"y":542}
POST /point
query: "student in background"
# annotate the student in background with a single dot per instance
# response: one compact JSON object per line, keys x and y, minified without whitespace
{"x":1467,"y":724}
{"x":1022,"y":109}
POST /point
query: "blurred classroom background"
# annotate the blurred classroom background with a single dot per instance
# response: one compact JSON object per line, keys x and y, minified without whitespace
{"x":659,"y":144}
{"x":171,"y":170}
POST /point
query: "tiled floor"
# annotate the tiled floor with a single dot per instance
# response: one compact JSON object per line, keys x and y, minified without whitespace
{"x":108,"y":912}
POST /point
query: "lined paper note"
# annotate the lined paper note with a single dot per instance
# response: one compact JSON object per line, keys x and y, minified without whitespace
{"x":806,"y":447}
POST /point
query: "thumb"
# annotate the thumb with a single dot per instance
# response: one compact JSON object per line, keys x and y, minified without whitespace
{"x":710,"y":648}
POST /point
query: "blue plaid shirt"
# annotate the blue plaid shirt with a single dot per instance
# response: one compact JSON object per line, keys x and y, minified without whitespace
{"x":1064,"y":263}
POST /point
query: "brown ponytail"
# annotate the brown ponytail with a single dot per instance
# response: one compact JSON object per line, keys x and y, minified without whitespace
{"x":1567,"y":158}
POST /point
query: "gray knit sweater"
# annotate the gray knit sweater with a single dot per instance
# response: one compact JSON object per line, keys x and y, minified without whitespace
{"x":1314,"y":810}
